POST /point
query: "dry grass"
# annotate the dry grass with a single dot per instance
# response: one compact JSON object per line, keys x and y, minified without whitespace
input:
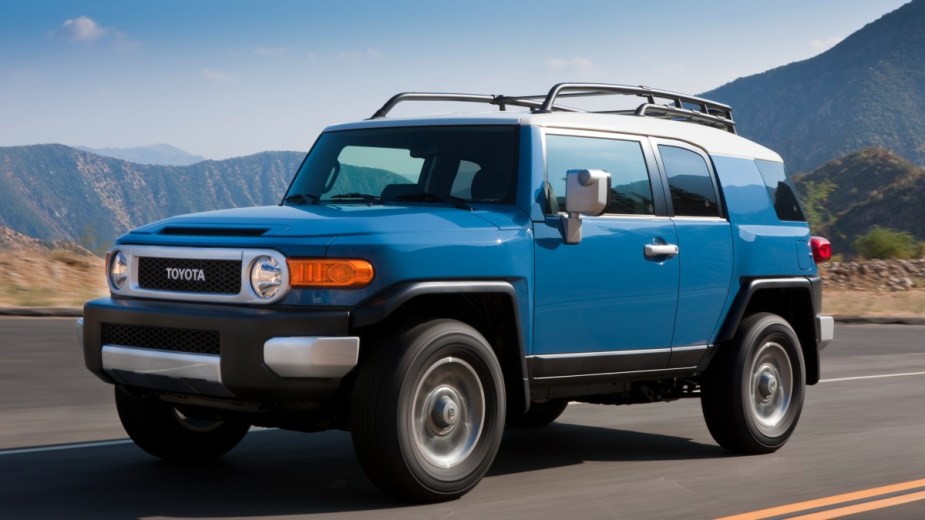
{"x":874,"y":303}
{"x":56,"y":278}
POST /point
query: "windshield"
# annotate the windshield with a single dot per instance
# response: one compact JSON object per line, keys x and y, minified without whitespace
{"x":453,"y":165}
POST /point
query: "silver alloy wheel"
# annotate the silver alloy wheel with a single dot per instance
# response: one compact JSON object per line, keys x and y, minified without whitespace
{"x":770,"y":388}
{"x":448,"y":412}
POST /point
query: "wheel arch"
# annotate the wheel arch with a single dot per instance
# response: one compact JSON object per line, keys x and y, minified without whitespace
{"x":793,"y":299}
{"x":491,"y":307}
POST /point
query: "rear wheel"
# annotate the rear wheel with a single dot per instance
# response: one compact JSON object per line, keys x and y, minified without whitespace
{"x":428,"y":412}
{"x":753,"y":392}
{"x":177,"y":434}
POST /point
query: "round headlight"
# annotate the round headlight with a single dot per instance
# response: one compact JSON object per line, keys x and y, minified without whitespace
{"x":118,"y":269}
{"x":266,"y":277}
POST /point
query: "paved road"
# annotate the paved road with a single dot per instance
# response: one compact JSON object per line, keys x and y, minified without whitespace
{"x":654,"y":461}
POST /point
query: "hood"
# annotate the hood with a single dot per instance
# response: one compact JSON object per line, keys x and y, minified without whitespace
{"x":332,"y":220}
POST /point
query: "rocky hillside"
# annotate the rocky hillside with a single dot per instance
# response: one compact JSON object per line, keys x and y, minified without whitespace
{"x":848,"y":196}
{"x":33,"y":274}
{"x":54,"y":192}
{"x":163,"y":154}
{"x":869,"y":90}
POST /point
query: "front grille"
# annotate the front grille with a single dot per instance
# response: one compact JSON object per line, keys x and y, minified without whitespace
{"x":161,"y":338}
{"x":189,"y":275}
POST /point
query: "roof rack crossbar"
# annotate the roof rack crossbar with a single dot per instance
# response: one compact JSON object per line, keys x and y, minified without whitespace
{"x":678,"y":106}
{"x":685,"y":113}
{"x":711,"y":112}
{"x":500,"y":101}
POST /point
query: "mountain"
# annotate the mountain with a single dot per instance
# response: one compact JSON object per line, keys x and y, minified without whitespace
{"x":847,"y":197}
{"x":869,"y":90}
{"x":162,"y":154}
{"x":54,"y":192}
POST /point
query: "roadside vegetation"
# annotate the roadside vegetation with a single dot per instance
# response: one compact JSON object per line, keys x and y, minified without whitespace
{"x":883,"y":243}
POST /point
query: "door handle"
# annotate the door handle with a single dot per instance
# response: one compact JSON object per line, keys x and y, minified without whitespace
{"x":657,"y":250}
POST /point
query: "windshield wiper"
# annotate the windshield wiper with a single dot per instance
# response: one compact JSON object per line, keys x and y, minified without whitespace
{"x":301,"y":198}
{"x":370,"y":199}
{"x":456,"y":202}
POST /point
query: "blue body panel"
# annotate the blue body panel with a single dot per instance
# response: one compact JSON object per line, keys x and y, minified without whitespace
{"x":405,"y":243}
{"x":706,"y":272}
{"x":764,"y":246}
{"x":603,"y":294}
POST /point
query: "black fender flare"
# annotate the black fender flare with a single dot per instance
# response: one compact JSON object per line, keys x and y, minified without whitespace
{"x":378,"y":308}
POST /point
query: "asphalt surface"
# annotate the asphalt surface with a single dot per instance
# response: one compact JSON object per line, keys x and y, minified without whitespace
{"x":63,"y":453}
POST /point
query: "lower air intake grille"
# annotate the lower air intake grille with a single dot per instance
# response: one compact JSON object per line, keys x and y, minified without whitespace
{"x":161,"y":338}
{"x":189,"y":275}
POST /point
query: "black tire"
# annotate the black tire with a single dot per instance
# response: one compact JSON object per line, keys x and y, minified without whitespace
{"x":539,"y":414}
{"x":166,"y":432}
{"x":427,"y":412}
{"x":753,"y":391}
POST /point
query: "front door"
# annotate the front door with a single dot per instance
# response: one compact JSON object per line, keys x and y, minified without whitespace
{"x":604,"y":306}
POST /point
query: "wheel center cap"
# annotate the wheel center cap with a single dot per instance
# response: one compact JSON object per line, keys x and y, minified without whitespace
{"x":767,"y":385}
{"x":446,"y":412}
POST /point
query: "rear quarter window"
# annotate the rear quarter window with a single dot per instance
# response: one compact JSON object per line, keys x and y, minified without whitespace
{"x":780,"y":189}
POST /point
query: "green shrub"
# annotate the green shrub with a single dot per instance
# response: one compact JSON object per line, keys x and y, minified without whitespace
{"x":886,"y":243}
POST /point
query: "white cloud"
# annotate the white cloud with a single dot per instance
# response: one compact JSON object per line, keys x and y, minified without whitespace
{"x":577,"y":64}
{"x":819,"y":46}
{"x":217,"y":75}
{"x":82,"y":29}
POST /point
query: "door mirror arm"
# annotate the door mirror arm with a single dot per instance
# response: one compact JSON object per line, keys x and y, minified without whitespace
{"x":586,"y":193}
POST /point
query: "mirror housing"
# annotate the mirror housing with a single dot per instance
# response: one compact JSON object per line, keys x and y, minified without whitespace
{"x":586,"y":193}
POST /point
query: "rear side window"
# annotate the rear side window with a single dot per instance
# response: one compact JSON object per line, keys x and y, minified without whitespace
{"x":780,"y":189}
{"x":693,"y":193}
{"x":630,"y":190}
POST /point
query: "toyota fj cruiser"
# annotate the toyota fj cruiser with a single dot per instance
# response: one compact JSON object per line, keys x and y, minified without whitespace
{"x":425,"y":281}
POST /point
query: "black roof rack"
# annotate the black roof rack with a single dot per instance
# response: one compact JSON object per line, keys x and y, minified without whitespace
{"x":673,"y":105}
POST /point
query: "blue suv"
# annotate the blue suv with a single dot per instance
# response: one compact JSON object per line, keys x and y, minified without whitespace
{"x":426,"y":281}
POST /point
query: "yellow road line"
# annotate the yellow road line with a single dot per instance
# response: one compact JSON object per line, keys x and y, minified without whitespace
{"x":827,"y":501}
{"x":861,"y":508}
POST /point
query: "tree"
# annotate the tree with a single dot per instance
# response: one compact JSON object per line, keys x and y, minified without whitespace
{"x":815,"y":197}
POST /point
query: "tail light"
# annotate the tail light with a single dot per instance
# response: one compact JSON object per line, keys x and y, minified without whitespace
{"x":822,"y":249}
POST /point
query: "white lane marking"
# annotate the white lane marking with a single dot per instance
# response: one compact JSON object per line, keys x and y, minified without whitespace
{"x":880,"y":376}
{"x":100,"y":444}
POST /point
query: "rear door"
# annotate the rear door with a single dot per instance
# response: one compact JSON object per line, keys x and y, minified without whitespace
{"x":705,"y":245}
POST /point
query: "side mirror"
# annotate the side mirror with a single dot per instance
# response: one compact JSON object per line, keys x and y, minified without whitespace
{"x":586,"y":193}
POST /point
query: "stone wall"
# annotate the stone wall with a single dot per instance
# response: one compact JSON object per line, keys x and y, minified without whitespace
{"x":874,"y":275}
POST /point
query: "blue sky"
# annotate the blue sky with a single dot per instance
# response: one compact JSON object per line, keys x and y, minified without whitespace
{"x":230,"y":78}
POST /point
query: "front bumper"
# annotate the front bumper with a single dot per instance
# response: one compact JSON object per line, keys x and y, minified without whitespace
{"x":260,"y":354}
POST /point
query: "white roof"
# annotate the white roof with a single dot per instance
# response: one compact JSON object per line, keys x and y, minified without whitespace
{"x":713,"y":140}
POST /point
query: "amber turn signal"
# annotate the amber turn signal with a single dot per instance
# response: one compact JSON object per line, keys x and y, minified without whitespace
{"x":329,"y":272}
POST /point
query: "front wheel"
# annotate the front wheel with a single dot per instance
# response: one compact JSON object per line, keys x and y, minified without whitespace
{"x":175,"y":434}
{"x":752,"y":394}
{"x":428,"y":412}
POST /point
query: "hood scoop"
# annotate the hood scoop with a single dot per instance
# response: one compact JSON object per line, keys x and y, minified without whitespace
{"x":200,"y":231}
